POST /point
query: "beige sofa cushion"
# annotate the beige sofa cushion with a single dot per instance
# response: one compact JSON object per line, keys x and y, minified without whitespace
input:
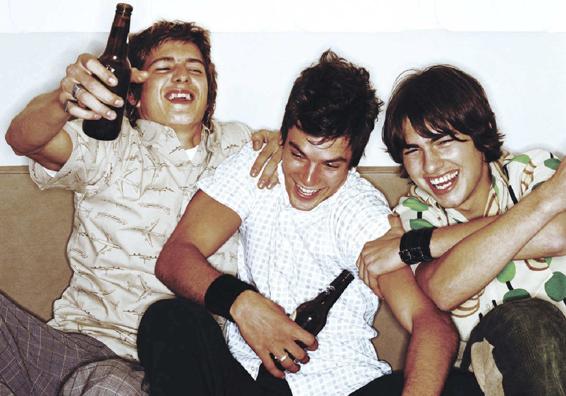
{"x":36,"y":225}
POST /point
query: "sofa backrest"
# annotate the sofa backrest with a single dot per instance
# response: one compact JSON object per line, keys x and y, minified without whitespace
{"x":36,"y":225}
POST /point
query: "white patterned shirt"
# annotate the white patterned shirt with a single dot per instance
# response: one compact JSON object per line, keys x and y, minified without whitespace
{"x":291,"y":256}
{"x":513,"y":177}
{"x":129,"y":195}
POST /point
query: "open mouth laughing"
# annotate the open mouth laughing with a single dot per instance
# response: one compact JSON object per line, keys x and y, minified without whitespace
{"x":179,"y":96}
{"x":306,"y":193}
{"x":443,"y":183}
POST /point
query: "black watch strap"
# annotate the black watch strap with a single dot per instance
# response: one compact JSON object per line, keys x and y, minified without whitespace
{"x":415,"y":246}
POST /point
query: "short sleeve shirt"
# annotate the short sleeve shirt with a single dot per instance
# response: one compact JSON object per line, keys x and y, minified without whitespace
{"x":129,"y":195}
{"x":292,"y":255}
{"x":513,"y":177}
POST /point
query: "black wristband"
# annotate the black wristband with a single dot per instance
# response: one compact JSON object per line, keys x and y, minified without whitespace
{"x":415,"y":246}
{"x":222,"y":293}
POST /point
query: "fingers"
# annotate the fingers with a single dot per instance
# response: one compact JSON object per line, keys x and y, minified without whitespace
{"x":276,"y":339}
{"x":292,"y":356}
{"x":84,"y":84}
{"x":139,"y":76}
{"x":367,"y":277}
{"x":77,"y":111}
{"x":269,"y":176}
{"x":289,"y":359}
{"x":259,"y":138}
{"x":268,"y":159}
{"x":374,"y":286}
{"x":286,"y":362}
{"x":377,"y":290}
{"x":272,"y":365}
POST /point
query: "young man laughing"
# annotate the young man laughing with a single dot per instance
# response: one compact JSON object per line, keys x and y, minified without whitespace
{"x":296,"y":239}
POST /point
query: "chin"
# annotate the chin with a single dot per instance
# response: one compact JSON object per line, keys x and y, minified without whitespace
{"x":304,"y":206}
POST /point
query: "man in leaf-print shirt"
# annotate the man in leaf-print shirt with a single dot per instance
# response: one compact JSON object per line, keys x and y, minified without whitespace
{"x":486,"y":229}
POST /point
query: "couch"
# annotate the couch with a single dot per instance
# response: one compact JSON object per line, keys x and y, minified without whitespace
{"x":36,"y":225}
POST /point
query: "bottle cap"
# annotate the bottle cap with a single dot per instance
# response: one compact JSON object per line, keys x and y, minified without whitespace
{"x":124,"y":8}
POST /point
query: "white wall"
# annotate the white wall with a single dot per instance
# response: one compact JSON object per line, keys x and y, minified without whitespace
{"x":517,"y":50}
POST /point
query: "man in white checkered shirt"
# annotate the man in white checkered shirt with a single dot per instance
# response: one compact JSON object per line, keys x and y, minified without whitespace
{"x":295,"y":239}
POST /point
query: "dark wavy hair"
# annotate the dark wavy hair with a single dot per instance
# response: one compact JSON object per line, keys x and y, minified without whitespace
{"x":331,"y":99}
{"x":438,"y":101}
{"x":141,"y":44}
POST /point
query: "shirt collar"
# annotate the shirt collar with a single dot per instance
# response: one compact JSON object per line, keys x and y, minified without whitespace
{"x":154,"y":132}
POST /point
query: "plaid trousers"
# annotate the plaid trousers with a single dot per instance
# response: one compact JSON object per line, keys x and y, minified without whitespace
{"x":36,"y":359}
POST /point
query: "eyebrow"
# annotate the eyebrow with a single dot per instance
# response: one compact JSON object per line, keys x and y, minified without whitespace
{"x":172,"y":59}
{"x":337,"y":159}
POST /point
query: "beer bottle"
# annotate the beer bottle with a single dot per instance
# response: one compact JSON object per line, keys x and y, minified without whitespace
{"x":115,"y":58}
{"x":311,"y":315}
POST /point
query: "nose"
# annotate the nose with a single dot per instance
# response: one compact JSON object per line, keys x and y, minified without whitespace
{"x":181,"y":74}
{"x":432,"y":162}
{"x":310,"y":175}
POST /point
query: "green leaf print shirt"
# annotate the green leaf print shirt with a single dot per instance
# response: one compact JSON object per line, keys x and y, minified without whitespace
{"x":513,"y":177}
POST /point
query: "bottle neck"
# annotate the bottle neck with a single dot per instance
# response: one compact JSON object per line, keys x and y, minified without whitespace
{"x":117,"y":44}
{"x":337,"y":287}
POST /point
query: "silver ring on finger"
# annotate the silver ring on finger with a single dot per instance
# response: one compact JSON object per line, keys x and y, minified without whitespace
{"x":283,"y":358}
{"x":76,"y":89}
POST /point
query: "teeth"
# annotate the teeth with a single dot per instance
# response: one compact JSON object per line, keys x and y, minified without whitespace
{"x":442,"y":186}
{"x":443,"y":182}
{"x":181,"y":95}
{"x":306,"y":191}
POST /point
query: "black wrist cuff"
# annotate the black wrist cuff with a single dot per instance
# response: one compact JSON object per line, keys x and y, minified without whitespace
{"x":222,"y":293}
{"x":415,"y":246}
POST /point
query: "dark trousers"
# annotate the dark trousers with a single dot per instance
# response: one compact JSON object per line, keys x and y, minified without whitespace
{"x":183,"y":352}
{"x":529,"y":340}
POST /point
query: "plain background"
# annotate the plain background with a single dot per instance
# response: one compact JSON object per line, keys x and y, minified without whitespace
{"x":516,"y":49}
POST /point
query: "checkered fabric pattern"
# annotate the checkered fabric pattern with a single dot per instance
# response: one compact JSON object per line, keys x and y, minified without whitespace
{"x":35,"y":358}
{"x":291,"y":255}
{"x":109,"y":377}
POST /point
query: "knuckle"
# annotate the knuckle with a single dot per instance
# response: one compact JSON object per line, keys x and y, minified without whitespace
{"x":70,"y":69}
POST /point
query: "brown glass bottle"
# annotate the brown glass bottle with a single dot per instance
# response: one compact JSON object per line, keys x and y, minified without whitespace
{"x":115,"y":58}
{"x":311,"y":315}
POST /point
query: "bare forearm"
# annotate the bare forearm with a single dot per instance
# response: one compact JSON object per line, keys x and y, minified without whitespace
{"x":479,"y":257}
{"x":184,"y":270}
{"x":433,"y":336}
{"x":37,"y":124}
{"x":430,"y":355}
{"x":550,"y":241}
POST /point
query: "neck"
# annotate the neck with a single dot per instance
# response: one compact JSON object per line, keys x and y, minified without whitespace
{"x":189,"y":135}
{"x":477,"y":206}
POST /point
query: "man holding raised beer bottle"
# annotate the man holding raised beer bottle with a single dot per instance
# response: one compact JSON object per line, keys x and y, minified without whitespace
{"x":296,"y":238}
{"x":129,"y":194}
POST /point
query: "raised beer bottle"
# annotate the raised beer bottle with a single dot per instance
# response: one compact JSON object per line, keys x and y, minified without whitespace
{"x":311,"y":315}
{"x":115,"y":58}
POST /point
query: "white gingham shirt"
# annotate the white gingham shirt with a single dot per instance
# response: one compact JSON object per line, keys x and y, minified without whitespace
{"x":291,"y":255}
{"x":129,"y":195}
